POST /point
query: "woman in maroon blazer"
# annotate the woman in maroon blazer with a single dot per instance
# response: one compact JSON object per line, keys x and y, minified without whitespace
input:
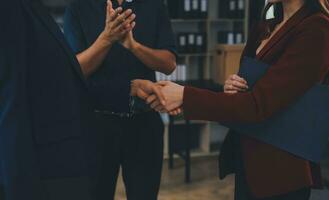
{"x":296,"y":44}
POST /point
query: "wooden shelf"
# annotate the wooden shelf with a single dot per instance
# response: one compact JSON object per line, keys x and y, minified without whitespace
{"x":205,"y":20}
{"x":194,"y":55}
{"x":204,"y":65}
{"x":226,"y":20}
{"x":197,"y":153}
{"x":188,"y":20}
{"x":197,"y":122}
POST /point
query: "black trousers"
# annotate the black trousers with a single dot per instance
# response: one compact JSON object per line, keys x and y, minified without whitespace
{"x":64,"y":189}
{"x":135,"y":145}
{"x":68,"y":189}
{"x":2,"y":193}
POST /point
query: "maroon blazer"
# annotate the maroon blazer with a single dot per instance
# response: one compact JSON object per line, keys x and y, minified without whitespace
{"x":299,"y":55}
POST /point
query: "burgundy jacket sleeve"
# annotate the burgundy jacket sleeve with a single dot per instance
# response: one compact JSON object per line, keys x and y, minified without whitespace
{"x":303,"y":64}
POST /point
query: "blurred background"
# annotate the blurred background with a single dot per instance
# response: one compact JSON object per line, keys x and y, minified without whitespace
{"x":210,"y":38}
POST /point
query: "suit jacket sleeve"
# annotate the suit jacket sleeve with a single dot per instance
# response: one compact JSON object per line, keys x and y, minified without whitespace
{"x":3,"y":68}
{"x":19,"y":166}
{"x":303,"y":64}
{"x":73,"y":31}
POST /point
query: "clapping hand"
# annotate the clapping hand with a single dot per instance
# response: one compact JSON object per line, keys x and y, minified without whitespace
{"x":128,"y":41}
{"x":118,"y":23}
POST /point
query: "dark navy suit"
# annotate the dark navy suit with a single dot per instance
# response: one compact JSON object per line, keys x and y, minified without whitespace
{"x":43,"y":103}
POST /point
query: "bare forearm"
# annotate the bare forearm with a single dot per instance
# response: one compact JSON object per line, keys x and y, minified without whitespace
{"x":92,"y":58}
{"x":157,"y":60}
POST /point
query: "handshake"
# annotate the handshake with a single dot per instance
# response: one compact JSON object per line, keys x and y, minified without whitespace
{"x":163,"y":96}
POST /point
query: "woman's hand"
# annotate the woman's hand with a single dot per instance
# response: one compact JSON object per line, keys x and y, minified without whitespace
{"x":118,"y":24}
{"x":156,"y":105}
{"x":145,"y":88}
{"x":173,"y":95}
{"x":235,"y":84}
{"x":163,"y":96}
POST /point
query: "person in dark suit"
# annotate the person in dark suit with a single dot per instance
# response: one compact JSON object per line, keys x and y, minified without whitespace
{"x":296,"y":44}
{"x":130,"y":134}
{"x":43,"y":107}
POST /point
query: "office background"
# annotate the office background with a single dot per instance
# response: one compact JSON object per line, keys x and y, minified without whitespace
{"x":210,"y":37}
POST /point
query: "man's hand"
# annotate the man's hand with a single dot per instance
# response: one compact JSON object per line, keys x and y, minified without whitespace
{"x":173,"y":94}
{"x":129,"y":41}
{"x":118,"y":24}
{"x":156,"y":105}
{"x":164,"y":96}
{"x":144,"y":89}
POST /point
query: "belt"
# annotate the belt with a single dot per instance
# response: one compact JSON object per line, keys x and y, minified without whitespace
{"x":120,"y":114}
{"x":132,"y":112}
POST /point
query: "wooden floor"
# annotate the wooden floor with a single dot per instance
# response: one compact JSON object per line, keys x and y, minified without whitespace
{"x":205,"y":183}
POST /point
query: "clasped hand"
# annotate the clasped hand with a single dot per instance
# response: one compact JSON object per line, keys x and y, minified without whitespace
{"x":118,"y":26}
{"x":167,"y":97}
{"x":164,"y":96}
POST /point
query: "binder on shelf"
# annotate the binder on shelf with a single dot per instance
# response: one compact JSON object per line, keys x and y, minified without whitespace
{"x":181,"y":72}
{"x":201,"y":42}
{"x":241,"y":8}
{"x":182,"y":42}
{"x":226,"y":37}
{"x":187,"y":9}
{"x":191,"y":46}
{"x":195,"y":9}
{"x":178,"y":75}
{"x":183,"y":76}
{"x":238,"y":32}
{"x":232,"y":8}
{"x":230,"y":38}
{"x":239,"y":38}
{"x":204,"y":9}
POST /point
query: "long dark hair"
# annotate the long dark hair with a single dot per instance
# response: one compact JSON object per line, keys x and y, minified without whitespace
{"x":314,"y":5}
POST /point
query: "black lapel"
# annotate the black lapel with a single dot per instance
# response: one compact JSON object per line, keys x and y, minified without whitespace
{"x":53,"y":28}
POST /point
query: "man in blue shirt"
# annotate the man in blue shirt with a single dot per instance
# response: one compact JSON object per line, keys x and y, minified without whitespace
{"x":130,"y":135}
